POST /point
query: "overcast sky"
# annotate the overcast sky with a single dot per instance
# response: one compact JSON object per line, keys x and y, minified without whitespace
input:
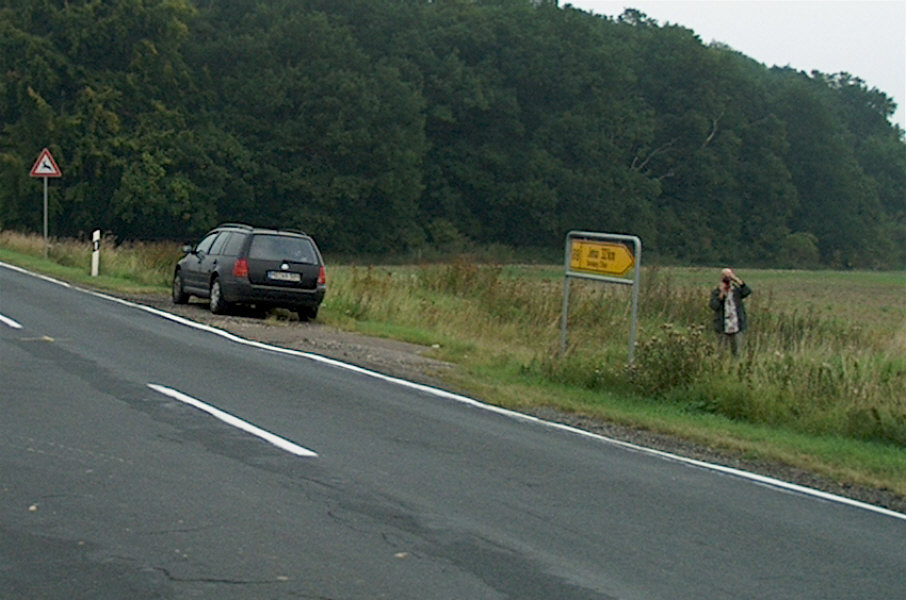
{"x":865,"y":38}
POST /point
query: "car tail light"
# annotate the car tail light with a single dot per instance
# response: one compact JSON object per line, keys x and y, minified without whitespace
{"x":322,"y":275}
{"x":241,"y":268}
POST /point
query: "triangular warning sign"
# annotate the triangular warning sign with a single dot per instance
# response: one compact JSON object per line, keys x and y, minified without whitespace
{"x":45,"y":166}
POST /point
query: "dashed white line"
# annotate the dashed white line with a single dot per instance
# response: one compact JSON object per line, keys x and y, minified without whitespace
{"x":234,"y":421}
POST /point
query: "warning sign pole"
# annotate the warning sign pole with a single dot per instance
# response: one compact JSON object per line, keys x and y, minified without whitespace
{"x":45,"y":167}
{"x":45,"y":218}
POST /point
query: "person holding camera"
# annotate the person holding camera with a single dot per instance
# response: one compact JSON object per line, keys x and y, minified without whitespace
{"x":729,"y":311}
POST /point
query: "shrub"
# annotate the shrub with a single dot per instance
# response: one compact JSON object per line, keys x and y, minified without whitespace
{"x":589,"y":370}
{"x":673,"y":359}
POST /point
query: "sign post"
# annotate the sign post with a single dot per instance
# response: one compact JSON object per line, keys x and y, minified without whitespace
{"x":605,"y":257}
{"x":45,"y":167}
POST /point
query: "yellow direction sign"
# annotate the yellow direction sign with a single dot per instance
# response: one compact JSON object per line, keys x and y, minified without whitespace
{"x":603,"y":258}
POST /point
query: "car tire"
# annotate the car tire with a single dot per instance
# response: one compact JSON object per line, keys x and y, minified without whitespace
{"x":219,"y":306}
{"x":308,"y":313}
{"x":179,"y":293}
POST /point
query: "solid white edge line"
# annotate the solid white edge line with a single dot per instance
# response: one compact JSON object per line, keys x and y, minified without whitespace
{"x":234,"y":421}
{"x":9,"y":322}
{"x":754,"y":477}
{"x":38,"y":275}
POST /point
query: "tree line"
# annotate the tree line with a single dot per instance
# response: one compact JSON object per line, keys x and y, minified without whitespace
{"x":386,"y":126}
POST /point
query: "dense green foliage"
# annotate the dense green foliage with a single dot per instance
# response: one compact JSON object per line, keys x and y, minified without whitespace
{"x":388,"y":125}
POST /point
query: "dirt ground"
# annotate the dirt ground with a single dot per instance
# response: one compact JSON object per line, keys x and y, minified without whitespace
{"x":409,"y":361}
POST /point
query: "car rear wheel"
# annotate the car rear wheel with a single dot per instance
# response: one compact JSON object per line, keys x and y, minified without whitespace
{"x":219,"y":306}
{"x":308,"y":313}
{"x":179,"y":294}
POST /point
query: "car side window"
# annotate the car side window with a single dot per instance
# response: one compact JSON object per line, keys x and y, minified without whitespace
{"x":204,"y":246}
{"x":220,"y":242}
{"x":233,"y":246}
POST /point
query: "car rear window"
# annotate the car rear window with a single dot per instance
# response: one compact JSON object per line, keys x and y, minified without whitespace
{"x":282,"y":247}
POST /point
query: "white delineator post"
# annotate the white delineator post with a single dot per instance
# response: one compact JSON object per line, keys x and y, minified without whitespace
{"x":96,"y":252}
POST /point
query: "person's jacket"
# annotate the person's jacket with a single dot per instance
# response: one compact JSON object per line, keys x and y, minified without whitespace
{"x":717,"y":305}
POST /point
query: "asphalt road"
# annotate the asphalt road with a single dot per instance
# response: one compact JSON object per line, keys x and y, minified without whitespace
{"x":142,"y":457}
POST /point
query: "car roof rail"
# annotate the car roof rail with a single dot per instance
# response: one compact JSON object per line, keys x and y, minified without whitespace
{"x":239,"y":225}
{"x":283,"y":230}
{"x":251,"y":228}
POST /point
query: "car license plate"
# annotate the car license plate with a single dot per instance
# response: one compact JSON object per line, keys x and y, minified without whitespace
{"x":284,"y":276}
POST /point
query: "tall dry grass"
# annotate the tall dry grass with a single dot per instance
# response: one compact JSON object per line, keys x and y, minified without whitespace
{"x":802,"y":369}
{"x":144,"y":263}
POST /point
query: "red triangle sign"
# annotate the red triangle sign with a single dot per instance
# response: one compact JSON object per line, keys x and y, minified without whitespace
{"x":45,"y":166}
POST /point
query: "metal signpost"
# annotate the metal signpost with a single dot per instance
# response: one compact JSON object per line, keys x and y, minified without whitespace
{"x":605,"y":257}
{"x":45,"y":167}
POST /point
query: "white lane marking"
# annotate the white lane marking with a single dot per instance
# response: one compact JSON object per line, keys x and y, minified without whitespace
{"x":754,"y":477}
{"x":9,"y":322}
{"x":234,"y":421}
{"x":38,"y":275}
